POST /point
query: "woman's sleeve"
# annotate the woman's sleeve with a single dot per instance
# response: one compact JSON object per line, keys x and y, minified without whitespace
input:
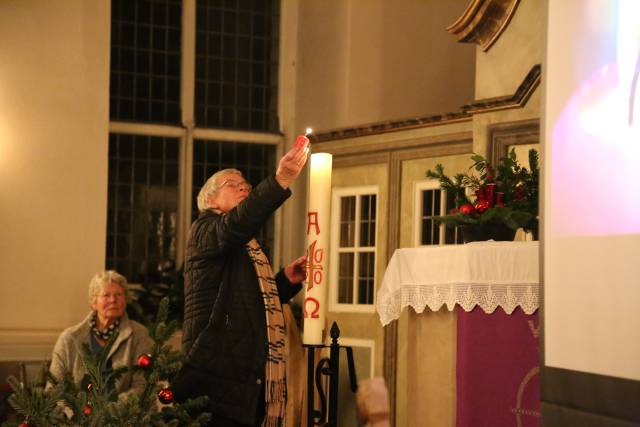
{"x":60,"y":356}
{"x":240,"y":224}
{"x":286,"y":289}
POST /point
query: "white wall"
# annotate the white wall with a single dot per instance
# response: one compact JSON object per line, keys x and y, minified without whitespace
{"x":363,"y":61}
{"x":54,"y":94}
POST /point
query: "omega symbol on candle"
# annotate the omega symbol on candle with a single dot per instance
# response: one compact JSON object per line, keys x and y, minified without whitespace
{"x":311,"y":313}
{"x":314,"y":265}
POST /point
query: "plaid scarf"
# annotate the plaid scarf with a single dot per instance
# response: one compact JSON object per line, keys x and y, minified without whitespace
{"x":276,"y":366}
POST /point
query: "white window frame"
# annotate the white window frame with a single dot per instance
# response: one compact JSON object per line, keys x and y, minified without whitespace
{"x":418,"y":188}
{"x":187,"y":131}
{"x":336,"y":250}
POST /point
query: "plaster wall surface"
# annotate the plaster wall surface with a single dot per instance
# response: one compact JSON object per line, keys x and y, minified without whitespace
{"x":54,"y":80}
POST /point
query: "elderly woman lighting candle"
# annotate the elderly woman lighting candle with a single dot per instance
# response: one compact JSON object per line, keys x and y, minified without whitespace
{"x":108,"y":301}
{"x":234,"y":337}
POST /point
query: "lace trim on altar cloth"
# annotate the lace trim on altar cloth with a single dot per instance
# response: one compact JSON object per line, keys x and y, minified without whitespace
{"x":467,"y":296}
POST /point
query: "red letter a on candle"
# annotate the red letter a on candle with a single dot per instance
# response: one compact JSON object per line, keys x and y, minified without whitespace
{"x":312,"y":220}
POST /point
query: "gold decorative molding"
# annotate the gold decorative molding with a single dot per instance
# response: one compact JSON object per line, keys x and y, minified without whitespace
{"x":517,"y":100}
{"x":483,"y":22}
{"x":391,"y":126}
{"x":370,"y":147}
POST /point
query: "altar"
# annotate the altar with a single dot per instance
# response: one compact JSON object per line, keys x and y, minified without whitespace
{"x":492,"y":291}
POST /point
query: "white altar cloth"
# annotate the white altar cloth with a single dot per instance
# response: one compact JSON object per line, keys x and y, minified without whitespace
{"x":488,"y":274}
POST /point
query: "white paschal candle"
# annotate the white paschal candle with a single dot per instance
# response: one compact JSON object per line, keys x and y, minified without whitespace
{"x":318,"y":219}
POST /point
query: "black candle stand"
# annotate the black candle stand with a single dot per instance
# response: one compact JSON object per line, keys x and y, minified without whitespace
{"x":329,"y":367}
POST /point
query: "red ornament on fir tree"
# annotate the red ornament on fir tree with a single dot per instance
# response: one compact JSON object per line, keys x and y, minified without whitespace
{"x":25,"y":424}
{"x":144,"y":361}
{"x":165,"y":396}
{"x":482,"y":205}
{"x":519,"y":193}
{"x":87,"y":409}
{"x":467,"y":209}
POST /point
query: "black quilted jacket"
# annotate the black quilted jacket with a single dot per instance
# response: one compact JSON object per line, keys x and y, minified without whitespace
{"x":224,"y":330}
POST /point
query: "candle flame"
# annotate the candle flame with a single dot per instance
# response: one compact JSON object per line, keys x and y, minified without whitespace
{"x":308,"y":131}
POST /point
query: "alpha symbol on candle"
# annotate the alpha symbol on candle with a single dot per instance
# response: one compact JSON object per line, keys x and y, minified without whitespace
{"x":314,"y":265}
{"x":312,"y":219}
{"x":316,"y":308}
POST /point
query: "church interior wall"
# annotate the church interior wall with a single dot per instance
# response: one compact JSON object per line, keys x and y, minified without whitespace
{"x":54,"y":113}
{"x":502,"y":68}
{"x":368,"y":61}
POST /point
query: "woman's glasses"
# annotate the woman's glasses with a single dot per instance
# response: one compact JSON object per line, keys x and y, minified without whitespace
{"x":236,"y":184}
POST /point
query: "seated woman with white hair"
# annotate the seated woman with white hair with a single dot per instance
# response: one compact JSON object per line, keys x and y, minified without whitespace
{"x":108,"y":302}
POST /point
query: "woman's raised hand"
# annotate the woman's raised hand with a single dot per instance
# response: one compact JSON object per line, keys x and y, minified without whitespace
{"x":292,"y":162}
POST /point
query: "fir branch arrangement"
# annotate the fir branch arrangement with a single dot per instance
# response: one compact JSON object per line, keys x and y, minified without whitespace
{"x":506,"y":194}
{"x":34,"y":404}
{"x":94,"y":402}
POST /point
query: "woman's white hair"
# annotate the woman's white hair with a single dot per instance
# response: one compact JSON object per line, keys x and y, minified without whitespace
{"x":102,"y":278}
{"x":210,"y":188}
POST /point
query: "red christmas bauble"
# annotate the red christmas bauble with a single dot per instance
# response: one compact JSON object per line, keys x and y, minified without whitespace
{"x":165,"y":396}
{"x":467,"y":209}
{"x":144,"y":360}
{"x":25,"y":424}
{"x":87,"y":410}
{"x":482,"y":205}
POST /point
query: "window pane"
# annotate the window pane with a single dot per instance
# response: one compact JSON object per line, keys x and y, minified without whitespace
{"x":366,"y":269}
{"x":453,"y":235}
{"x":427,"y":232}
{"x":436,"y":202}
{"x":367,"y":220}
{"x":430,"y":232}
{"x":255,"y":161}
{"x":347,"y":221}
{"x":142,"y":226}
{"x":345,"y":278}
{"x":237,"y":45}
{"x":427,"y":203}
{"x":145,"y":61}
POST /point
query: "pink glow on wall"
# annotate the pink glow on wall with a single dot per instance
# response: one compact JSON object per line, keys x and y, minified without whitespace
{"x":595,"y":147}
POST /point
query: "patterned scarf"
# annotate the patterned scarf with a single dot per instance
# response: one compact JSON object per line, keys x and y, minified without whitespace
{"x":276,"y":366}
{"x":107,"y":333}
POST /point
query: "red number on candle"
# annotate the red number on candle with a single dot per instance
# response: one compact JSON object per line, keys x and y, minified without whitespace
{"x":318,"y":254}
{"x":317,"y":277}
{"x":314,"y":266}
